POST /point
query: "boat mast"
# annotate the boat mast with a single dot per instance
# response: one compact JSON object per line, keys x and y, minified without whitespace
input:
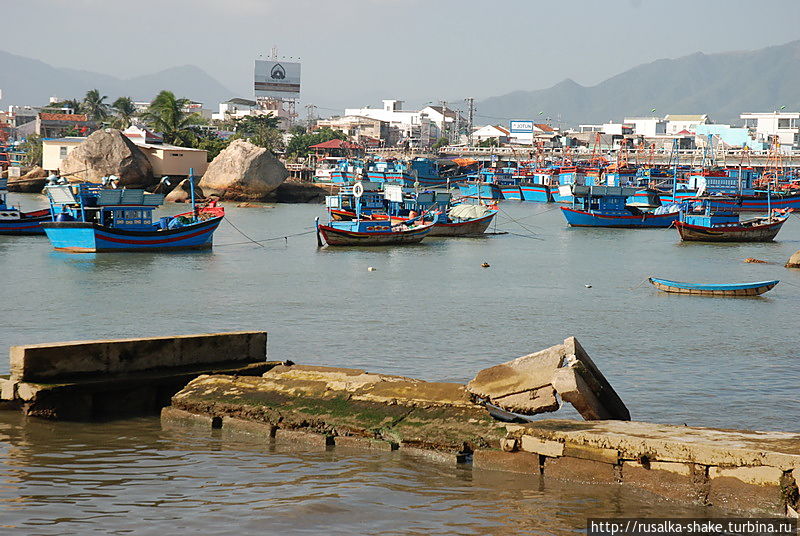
{"x":191,"y":191}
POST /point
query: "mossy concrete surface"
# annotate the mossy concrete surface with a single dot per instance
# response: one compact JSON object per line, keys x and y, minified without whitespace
{"x":349,"y":402}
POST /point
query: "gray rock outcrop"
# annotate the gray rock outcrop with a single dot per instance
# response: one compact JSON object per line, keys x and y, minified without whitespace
{"x":30,"y":183}
{"x":108,"y":152}
{"x":243,"y":172}
{"x":794,"y":260}
{"x":182,"y":193}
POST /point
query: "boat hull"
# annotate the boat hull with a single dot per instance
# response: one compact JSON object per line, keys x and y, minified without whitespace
{"x":28,"y":224}
{"x":474,"y":227}
{"x":85,"y":237}
{"x":539,"y":193}
{"x":580,"y":218}
{"x":737,"y":290}
{"x":755,"y":233}
{"x":511,"y":192}
{"x":340,"y":237}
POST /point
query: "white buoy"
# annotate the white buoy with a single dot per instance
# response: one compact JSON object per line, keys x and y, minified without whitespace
{"x":370,"y":269}
{"x":588,"y":286}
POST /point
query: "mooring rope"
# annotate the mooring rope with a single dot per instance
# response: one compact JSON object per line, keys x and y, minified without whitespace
{"x":259,"y":243}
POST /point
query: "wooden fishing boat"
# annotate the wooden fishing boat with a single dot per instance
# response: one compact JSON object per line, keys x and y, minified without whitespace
{"x":701,"y":221}
{"x":371,"y":233}
{"x":88,"y":219}
{"x":15,"y":222}
{"x":703,"y":289}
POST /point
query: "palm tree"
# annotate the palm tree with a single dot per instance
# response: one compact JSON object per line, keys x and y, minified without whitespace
{"x":125,"y":111}
{"x":168,"y":115}
{"x":93,"y":105}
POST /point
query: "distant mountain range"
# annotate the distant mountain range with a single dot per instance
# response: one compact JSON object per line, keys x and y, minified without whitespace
{"x":31,"y":82}
{"x":721,"y":85}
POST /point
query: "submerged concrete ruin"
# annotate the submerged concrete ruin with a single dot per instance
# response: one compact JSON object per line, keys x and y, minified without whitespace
{"x":222,"y":383}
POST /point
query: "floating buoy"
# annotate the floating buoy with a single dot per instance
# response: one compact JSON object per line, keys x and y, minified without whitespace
{"x":370,"y":269}
{"x":485,"y":265}
{"x":757,"y":261}
{"x":588,"y":286}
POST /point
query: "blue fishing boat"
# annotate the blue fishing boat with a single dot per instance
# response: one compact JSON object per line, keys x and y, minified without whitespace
{"x":15,"y":222}
{"x":606,"y":206}
{"x":88,"y":219}
{"x":486,"y":184}
{"x":713,"y":289}
{"x":538,"y":185}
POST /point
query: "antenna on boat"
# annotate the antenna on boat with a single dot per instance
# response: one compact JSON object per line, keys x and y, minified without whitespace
{"x":191,"y":191}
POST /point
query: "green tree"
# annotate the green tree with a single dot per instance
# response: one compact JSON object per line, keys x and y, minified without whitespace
{"x":94,"y":106}
{"x":299,"y":144}
{"x":489,"y":142}
{"x":212,"y":143}
{"x":167,"y":114}
{"x":261,"y":130}
{"x":32,"y":147}
{"x":441,"y":142}
{"x":124,"y":111}
{"x":72,"y":104}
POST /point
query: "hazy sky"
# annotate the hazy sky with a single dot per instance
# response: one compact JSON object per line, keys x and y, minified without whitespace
{"x":355,"y":51}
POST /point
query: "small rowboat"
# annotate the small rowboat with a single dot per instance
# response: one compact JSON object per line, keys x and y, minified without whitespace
{"x":702,"y":289}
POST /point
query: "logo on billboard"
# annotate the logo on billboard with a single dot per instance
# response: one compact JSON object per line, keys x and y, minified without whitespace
{"x":521,"y":126}
{"x":278,"y":72}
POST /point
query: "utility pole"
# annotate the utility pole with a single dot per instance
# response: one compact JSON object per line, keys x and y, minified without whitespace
{"x":443,"y":132}
{"x":470,"y":117}
{"x":455,"y":134}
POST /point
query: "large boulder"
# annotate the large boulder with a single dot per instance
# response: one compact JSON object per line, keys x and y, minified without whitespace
{"x":30,"y":183}
{"x":183,"y":193}
{"x":243,"y":172}
{"x":108,"y":152}
{"x":794,"y":260}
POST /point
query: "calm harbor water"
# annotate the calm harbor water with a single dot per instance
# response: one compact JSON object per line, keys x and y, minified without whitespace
{"x":428,"y":311}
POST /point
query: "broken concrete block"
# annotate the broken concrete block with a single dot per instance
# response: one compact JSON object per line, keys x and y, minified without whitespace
{"x":542,"y":446}
{"x":521,"y":385}
{"x":8,"y":389}
{"x":509,"y":444}
{"x":303,"y":440}
{"x":589,"y":391}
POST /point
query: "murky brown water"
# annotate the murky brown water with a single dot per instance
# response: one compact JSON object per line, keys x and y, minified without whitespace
{"x":429,"y":312}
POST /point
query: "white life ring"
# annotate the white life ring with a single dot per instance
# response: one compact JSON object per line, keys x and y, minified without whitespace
{"x":358,"y":189}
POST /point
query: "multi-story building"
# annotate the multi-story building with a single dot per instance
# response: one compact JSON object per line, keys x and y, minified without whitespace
{"x":784,"y":125}
{"x":364,"y":130}
{"x":678,"y":123}
{"x":647,"y":126}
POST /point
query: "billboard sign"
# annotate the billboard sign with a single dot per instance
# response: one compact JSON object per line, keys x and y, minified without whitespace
{"x":521,"y":126}
{"x":277,"y":79}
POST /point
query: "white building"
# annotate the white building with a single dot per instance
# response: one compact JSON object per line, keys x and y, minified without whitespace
{"x":784,"y":125}
{"x":677,"y":123}
{"x":414,"y":126}
{"x":647,"y":126}
{"x":488,"y":132}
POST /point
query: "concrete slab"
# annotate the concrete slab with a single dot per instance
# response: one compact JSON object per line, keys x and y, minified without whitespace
{"x":510,"y":462}
{"x":364,"y":443}
{"x":662,"y":442}
{"x":533,"y":444}
{"x":65,"y":361}
{"x":579,"y":470}
{"x":172,"y":418}
{"x":302,"y":439}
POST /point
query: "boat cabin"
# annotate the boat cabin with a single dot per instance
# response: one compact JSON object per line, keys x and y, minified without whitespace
{"x":702,"y":213}
{"x":117,"y":208}
{"x":610,"y":200}
{"x":370,"y":201}
{"x":720,"y":182}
